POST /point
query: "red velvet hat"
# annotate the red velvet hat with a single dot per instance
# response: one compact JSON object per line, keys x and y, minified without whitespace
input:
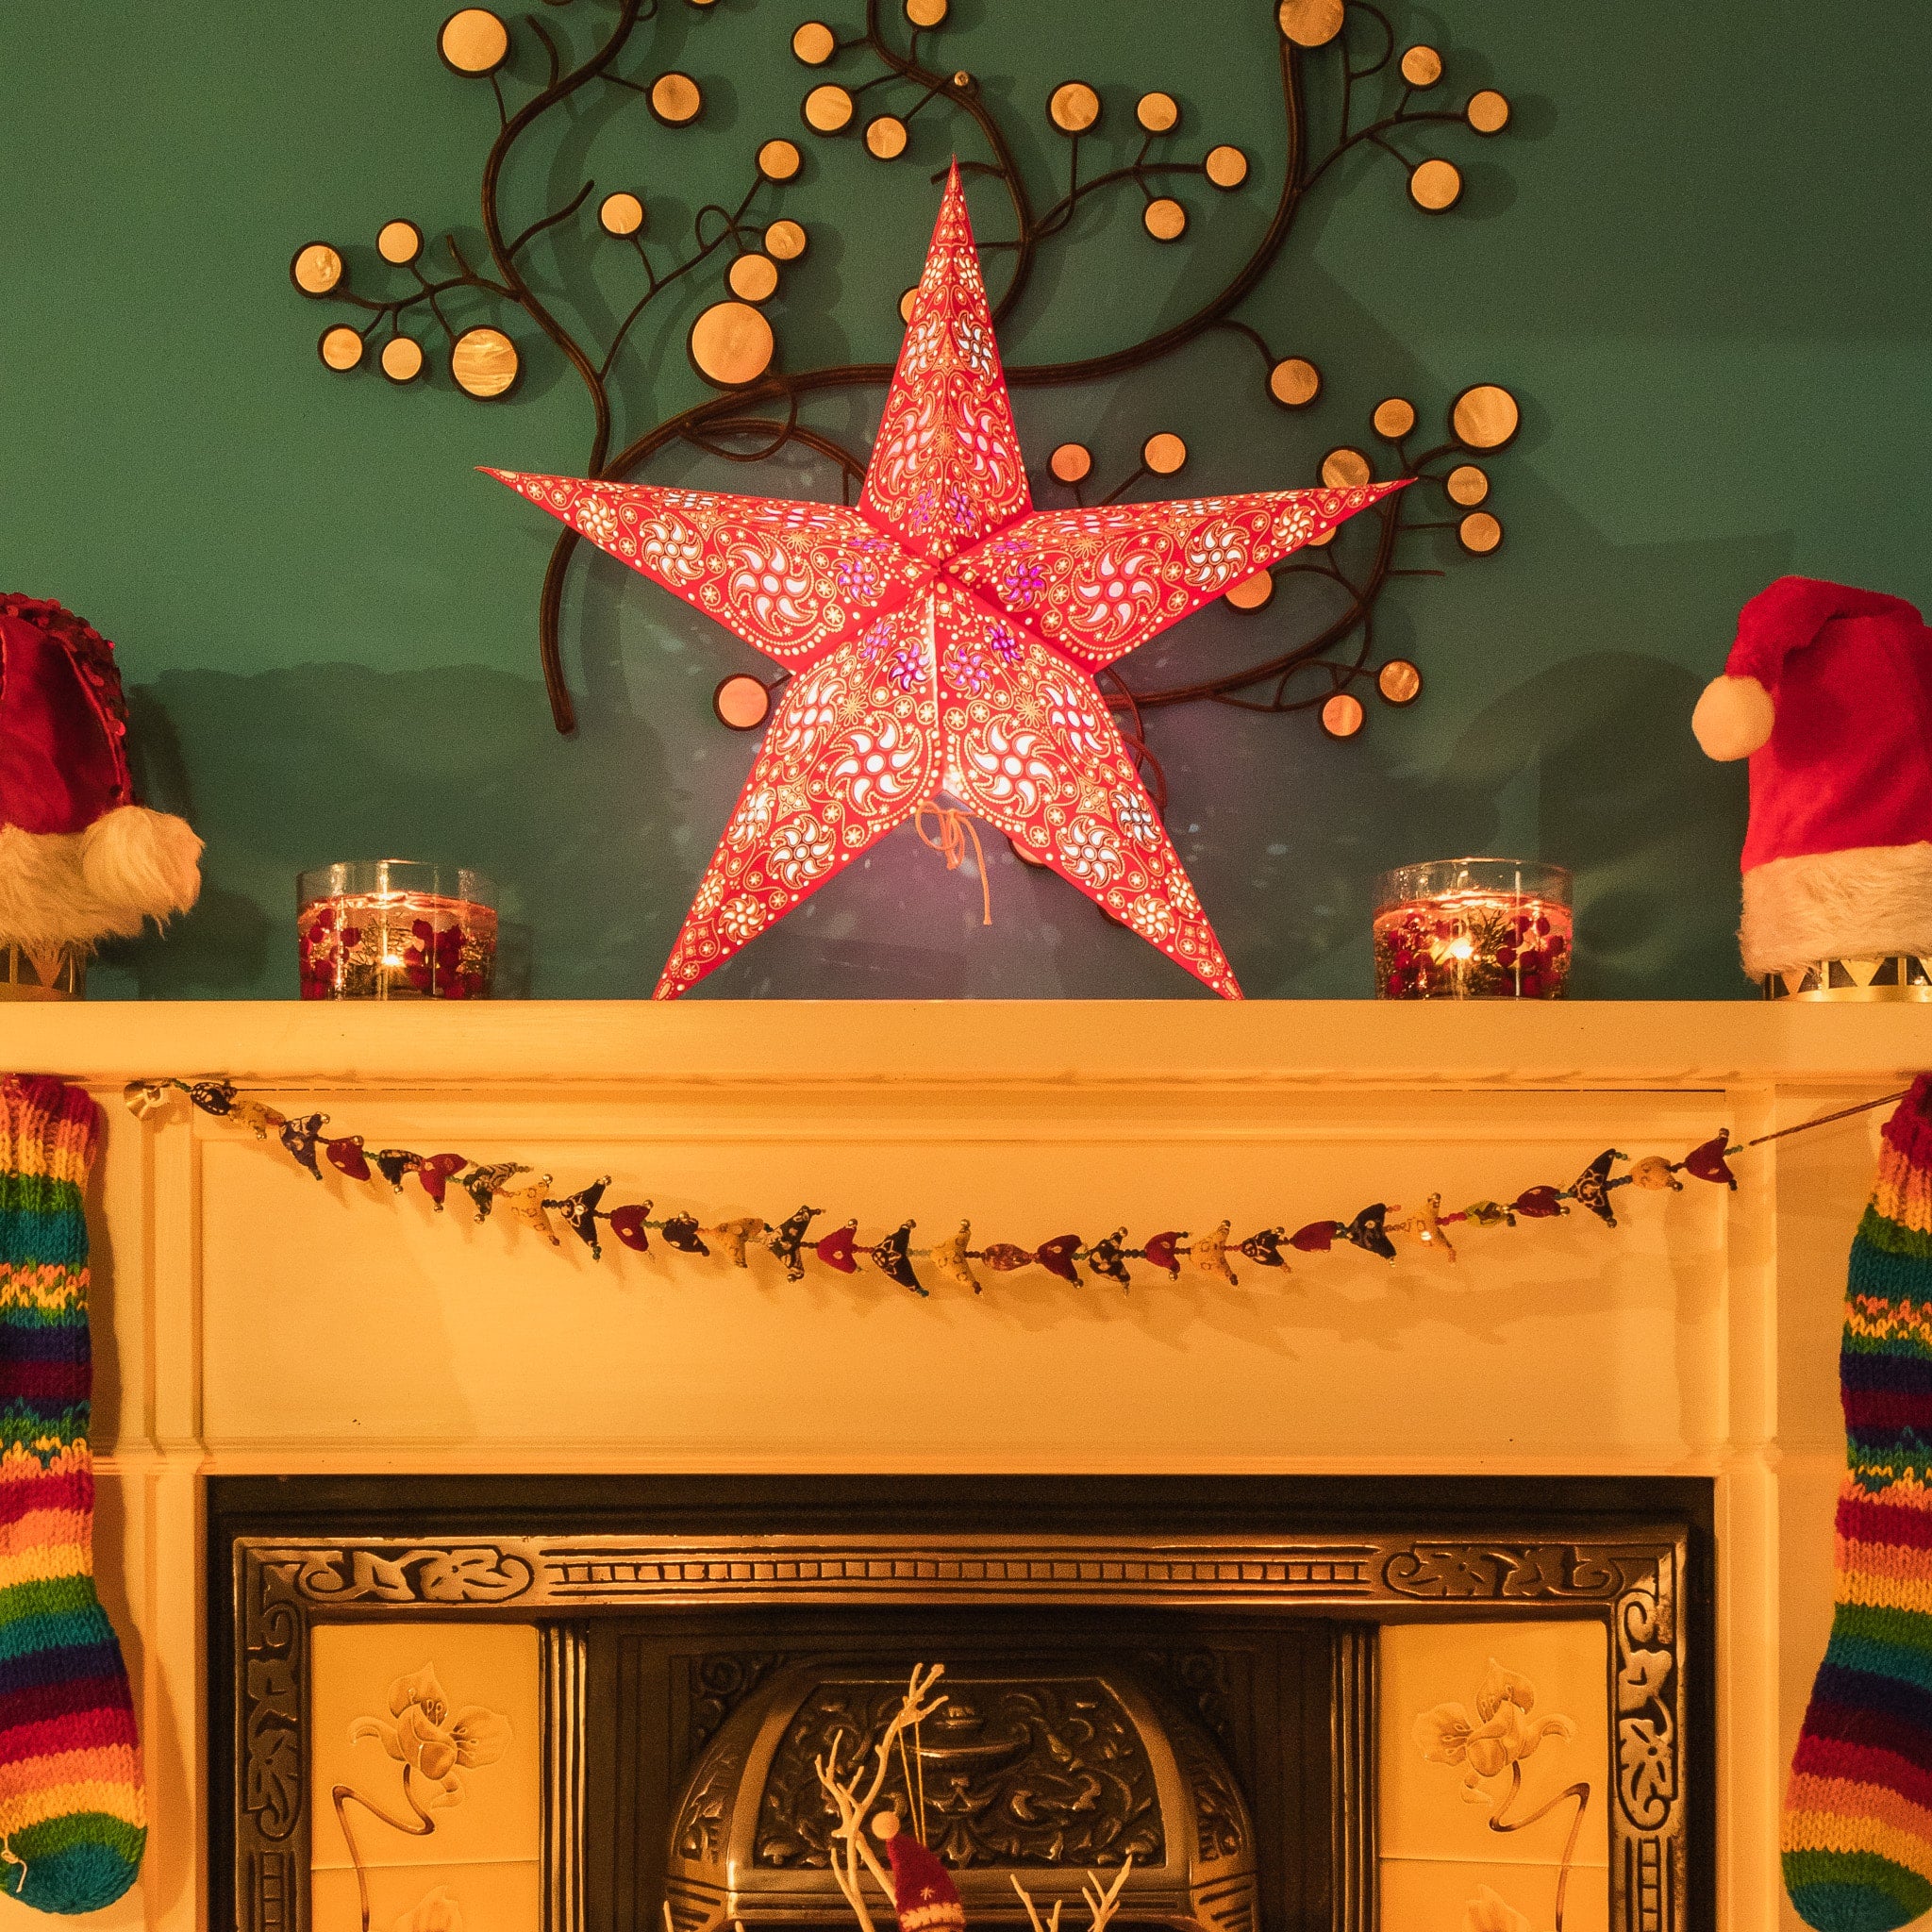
{"x":79,"y":860}
{"x":922,"y":1890}
{"x":1828,"y":691}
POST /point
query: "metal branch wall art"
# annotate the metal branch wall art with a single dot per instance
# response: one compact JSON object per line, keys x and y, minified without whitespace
{"x":1347,"y":87}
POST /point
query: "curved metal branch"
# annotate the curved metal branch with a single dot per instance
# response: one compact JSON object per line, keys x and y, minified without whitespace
{"x":708,"y":424}
{"x":559,"y":88}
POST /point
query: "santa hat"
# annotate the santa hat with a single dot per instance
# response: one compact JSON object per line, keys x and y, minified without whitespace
{"x":79,"y":860}
{"x":1828,"y":691}
{"x":924,"y":1894}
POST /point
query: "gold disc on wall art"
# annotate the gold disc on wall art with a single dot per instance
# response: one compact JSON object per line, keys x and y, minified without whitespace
{"x":341,"y":347}
{"x":473,"y":41}
{"x":315,"y":268}
{"x":402,"y":359}
{"x":675,"y":99}
{"x":1252,"y":592}
{"x":1163,"y":452}
{"x":925,"y":12}
{"x":1488,"y":111}
{"x":1399,"y":681}
{"x":1071,"y":462}
{"x":1294,"y":382}
{"x":1479,"y":533}
{"x":1467,"y":484}
{"x":731,"y":345}
{"x":1345,"y":469}
{"x":621,"y":213}
{"x":905,"y":302}
{"x":1435,"y":185}
{"x":1226,"y":167}
{"x":1074,"y":107}
{"x":1394,"y":418}
{"x":779,"y":160}
{"x":1165,"y":218}
{"x":1158,"y":112}
{"x":741,"y":702}
{"x":754,"y":277}
{"x":814,"y":44}
{"x":1484,"y":417}
{"x":1422,"y":66}
{"x":886,"y":136}
{"x":827,"y":109}
{"x":1342,"y":715}
{"x":399,"y":242}
{"x":1310,"y":23}
{"x":485,"y":363}
{"x":784,"y":240}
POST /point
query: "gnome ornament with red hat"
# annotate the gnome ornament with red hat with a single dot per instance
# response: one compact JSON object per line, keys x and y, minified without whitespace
{"x":80,"y":860}
{"x":924,"y":1895}
{"x":1828,"y":691}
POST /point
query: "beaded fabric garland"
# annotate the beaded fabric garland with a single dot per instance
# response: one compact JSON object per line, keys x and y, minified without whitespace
{"x":528,"y":1198}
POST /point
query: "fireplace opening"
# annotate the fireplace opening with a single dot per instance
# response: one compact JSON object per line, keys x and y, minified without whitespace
{"x":1321,"y":1705}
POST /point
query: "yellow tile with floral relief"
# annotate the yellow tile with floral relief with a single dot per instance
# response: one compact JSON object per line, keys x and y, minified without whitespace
{"x":1425,"y":1896}
{"x":424,"y":1747}
{"x":1495,"y":1742}
{"x":431,"y":1898}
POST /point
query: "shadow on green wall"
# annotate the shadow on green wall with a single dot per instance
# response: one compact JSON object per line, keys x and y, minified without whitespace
{"x":325,"y":761}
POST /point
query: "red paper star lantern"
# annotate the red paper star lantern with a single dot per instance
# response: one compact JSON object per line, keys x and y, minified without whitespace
{"x":943,"y":639}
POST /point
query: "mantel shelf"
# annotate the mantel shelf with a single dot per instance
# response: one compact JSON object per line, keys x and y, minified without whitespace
{"x":1193,"y":1044}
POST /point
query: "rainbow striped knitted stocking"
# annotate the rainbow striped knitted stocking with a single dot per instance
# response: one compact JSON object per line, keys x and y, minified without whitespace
{"x":1858,"y":1826}
{"x":72,"y":1809}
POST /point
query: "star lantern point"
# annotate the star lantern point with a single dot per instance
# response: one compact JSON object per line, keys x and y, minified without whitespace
{"x":941,"y":639}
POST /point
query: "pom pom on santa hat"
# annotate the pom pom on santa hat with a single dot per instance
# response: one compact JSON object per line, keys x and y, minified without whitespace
{"x":1828,"y":691}
{"x":924,"y":1894}
{"x":80,"y":860}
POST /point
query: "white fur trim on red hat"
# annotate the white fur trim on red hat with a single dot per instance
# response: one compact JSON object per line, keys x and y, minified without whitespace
{"x":73,"y":888}
{"x":1856,"y":904}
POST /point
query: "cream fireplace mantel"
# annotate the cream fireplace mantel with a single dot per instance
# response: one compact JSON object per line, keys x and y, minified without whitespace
{"x":251,"y":1321}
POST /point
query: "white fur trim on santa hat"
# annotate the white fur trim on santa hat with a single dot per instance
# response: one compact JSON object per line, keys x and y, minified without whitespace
{"x":1733,"y":718}
{"x":73,"y":888}
{"x":1850,"y":904}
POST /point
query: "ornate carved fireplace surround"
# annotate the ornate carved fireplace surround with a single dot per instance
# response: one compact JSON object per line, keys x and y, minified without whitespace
{"x":1249,"y":1610}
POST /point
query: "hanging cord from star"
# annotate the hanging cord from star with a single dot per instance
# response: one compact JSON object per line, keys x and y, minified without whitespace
{"x":955,"y":829}
{"x":527,"y":1199}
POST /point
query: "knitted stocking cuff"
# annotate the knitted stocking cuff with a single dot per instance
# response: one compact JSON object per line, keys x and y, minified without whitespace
{"x":1906,"y":1165}
{"x":72,"y":1809}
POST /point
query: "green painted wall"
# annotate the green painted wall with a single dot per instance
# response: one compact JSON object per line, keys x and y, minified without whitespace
{"x":1698,"y":257}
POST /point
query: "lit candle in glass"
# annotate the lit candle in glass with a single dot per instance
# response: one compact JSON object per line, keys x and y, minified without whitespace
{"x":395,"y":929}
{"x":1472,"y":929}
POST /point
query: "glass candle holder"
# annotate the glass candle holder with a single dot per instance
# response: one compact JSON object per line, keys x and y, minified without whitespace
{"x":1472,"y":929}
{"x":395,"y":929}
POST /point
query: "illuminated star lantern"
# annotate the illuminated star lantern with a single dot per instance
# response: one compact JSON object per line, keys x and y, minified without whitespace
{"x":943,"y":639}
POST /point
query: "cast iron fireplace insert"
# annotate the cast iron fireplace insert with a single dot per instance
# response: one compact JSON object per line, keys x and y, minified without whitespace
{"x":1229,"y":1625}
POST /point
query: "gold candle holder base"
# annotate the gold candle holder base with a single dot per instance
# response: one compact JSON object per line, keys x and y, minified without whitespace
{"x":53,"y":973}
{"x":1882,"y":977}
